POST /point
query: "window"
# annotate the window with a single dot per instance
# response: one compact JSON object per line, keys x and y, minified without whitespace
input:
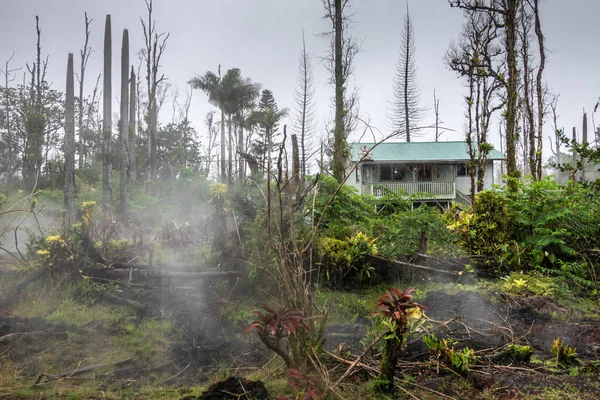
{"x":358,"y":167}
{"x":424,"y":173}
{"x":462,"y":170}
{"x":385,"y":173}
{"x":398,"y":173}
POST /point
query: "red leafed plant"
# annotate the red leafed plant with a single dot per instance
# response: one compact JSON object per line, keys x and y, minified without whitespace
{"x":396,"y":306}
{"x":276,"y":323}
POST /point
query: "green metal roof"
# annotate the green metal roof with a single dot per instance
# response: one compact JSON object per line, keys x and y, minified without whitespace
{"x":418,"y":152}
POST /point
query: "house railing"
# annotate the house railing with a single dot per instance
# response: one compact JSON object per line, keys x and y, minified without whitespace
{"x":422,"y":190}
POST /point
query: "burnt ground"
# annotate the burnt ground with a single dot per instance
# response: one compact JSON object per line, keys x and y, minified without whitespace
{"x":202,"y":338}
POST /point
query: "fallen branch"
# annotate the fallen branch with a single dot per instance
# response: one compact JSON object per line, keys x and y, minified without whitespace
{"x":11,"y":296}
{"x":125,"y":302}
{"x":79,"y":371}
{"x":125,"y":273}
{"x":355,"y":362}
{"x":375,"y":371}
{"x":6,"y":337}
{"x":416,"y":266}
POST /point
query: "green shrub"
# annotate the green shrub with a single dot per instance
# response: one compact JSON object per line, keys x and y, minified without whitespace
{"x":543,"y":226}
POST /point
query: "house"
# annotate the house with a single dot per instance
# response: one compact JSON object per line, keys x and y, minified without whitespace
{"x":434,"y":172}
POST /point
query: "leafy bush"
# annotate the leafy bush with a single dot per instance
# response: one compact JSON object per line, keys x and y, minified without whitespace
{"x":344,"y":260}
{"x":542,"y":226}
{"x":532,"y":283}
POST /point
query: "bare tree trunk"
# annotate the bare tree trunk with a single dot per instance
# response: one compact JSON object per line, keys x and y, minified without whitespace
{"x":9,"y":134}
{"x":512,"y":91}
{"x":540,"y":94}
{"x":529,"y":143}
{"x":69,"y":194}
{"x":223,"y":144}
{"x":436,"y":108}
{"x":584,"y":139}
{"x":229,"y":151}
{"x":339,"y":148}
{"x":85,"y":55}
{"x":107,"y":120}
{"x":124,"y":128}
{"x":573,"y":174}
{"x":155,"y":45}
{"x":132,"y":137}
{"x":241,"y":150}
{"x":296,"y":171}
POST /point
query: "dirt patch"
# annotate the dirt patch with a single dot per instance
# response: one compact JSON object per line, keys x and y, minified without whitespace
{"x":233,"y":388}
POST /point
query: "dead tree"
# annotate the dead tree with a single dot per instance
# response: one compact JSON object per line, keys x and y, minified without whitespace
{"x":436,"y":109}
{"x":339,"y":62}
{"x":85,"y":55}
{"x":124,"y":128}
{"x":36,"y":120}
{"x":304,"y":113}
{"x":503,"y":14}
{"x":9,"y":134}
{"x":69,"y":193}
{"x":107,"y":120}
{"x":155,"y":45}
{"x":538,"y":81}
{"x":132,"y":137}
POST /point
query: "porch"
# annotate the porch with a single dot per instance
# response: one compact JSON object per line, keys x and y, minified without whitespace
{"x":421,"y":189}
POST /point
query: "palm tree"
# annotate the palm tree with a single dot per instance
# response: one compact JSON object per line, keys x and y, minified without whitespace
{"x":212,"y":85}
{"x":247,"y":94}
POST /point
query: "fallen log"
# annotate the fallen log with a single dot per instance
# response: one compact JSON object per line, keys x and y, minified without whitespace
{"x":415,"y":266}
{"x":125,"y":302}
{"x":126,"y":273}
{"x":11,"y":296}
{"x":79,"y":371}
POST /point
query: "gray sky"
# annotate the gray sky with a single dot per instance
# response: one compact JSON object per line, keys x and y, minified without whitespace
{"x":263,"y":39}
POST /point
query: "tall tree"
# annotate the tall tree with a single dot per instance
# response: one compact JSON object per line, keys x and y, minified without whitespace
{"x":476,"y":59}
{"x":107,"y":120}
{"x":69,"y":188}
{"x":155,"y":45}
{"x":343,"y":49}
{"x":36,"y":118}
{"x":406,"y":111}
{"x":85,"y":55}
{"x":10,"y":146}
{"x":132,"y":137}
{"x":436,"y":109}
{"x":267,"y":117}
{"x":504,"y":15}
{"x":540,"y":94}
{"x":124,"y":128}
{"x":247,"y":94}
{"x":212,"y":131}
{"x":304,"y":112}
{"x":211,"y":84}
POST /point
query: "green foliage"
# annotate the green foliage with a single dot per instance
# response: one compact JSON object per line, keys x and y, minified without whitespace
{"x":344,"y":261}
{"x":357,"y":222}
{"x":442,"y":350}
{"x":516,"y":353}
{"x":531,"y":283}
{"x":542,"y":225}
{"x":565,"y":354}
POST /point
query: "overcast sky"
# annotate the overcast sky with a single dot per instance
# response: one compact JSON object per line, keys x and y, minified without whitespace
{"x":263,"y":39}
